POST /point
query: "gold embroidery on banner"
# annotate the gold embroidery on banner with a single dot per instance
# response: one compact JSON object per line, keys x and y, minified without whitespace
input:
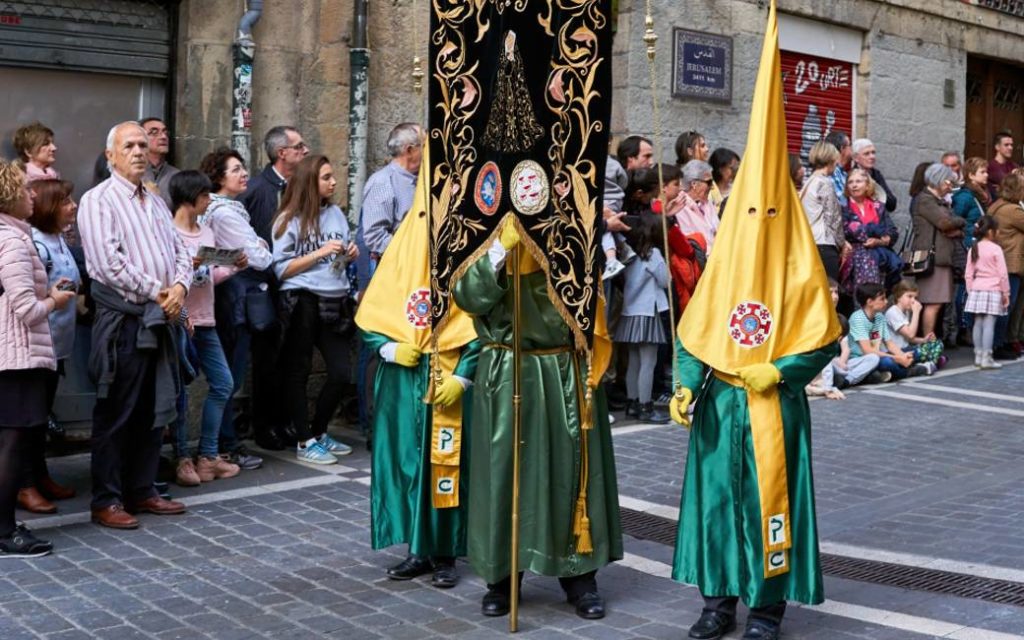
{"x":570,"y":229}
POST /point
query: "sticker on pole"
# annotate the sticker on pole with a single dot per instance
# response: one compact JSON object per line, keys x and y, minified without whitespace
{"x":750,"y":324}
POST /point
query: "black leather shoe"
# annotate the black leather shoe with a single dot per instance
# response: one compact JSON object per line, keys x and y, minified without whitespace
{"x":411,"y":567}
{"x":590,"y":606}
{"x":495,"y":603}
{"x":759,"y":631}
{"x":287,"y":433}
{"x":445,"y":576}
{"x":270,"y":441}
{"x":712,"y":625}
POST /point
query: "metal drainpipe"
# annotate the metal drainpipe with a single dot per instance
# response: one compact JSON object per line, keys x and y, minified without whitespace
{"x":358,"y":125}
{"x":243,"y":53}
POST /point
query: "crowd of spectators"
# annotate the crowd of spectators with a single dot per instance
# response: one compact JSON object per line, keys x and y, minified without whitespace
{"x":206,"y":271}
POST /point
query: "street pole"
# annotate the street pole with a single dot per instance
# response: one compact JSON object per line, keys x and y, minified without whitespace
{"x":243,"y":55}
{"x":517,"y":429}
{"x":358,"y":124}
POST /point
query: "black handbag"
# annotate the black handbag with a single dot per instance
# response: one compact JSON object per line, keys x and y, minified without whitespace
{"x":919,"y":263}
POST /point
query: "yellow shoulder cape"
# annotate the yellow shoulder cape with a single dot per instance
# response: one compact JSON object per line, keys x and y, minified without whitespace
{"x":397,"y":305}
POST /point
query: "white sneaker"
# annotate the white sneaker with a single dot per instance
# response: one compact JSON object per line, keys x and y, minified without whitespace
{"x":613,"y":268}
{"x":611,"y":419}
{"x":333,"y":446}
{"x":977,"y":357}
{"x":314,"y":454}
{"x":988,"y":363}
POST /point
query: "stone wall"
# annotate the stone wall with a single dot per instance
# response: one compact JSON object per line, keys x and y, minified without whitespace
{"x":300,"y":75}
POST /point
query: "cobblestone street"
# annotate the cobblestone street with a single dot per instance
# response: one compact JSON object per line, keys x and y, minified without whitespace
{"x":925,"y":473}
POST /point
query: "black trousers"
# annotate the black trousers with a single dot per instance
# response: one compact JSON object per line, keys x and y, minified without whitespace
{"x":14,"y":445}
{"x":305,"y":332}
{"x":125,"y":442}
{"x":770,"y":616}
{"x":574,"y":586}
{"x":35,"y":468}
{"x":830,"y":259}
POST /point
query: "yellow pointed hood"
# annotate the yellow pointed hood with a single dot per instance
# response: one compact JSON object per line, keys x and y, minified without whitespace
{"x":764,"y":293}
{"x":397,"y":302}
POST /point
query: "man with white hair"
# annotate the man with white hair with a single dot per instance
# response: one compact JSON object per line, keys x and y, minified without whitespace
{"x":864,"y":156}
{"x":141,"y":271}
{"x":388,"y":193}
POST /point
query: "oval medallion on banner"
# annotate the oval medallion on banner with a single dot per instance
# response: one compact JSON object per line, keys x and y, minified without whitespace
{"x":529,"y":188}
{"x":487,"y":192}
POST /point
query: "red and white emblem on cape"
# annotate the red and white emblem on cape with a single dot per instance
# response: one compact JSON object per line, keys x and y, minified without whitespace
{"x":417,"y":309}
{"x":750,"y":324}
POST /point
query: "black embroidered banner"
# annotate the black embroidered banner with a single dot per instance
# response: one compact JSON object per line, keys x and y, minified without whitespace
{"x":520,"y":98}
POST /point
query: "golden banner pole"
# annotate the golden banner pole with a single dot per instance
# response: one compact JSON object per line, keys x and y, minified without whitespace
{"x":517,"y":429}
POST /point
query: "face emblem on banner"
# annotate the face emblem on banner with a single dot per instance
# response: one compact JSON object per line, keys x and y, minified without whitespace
{"x":417,"y":309}
{"x":750,"y":324}
{"x":487,"y":193}
{"x":529,"y":189}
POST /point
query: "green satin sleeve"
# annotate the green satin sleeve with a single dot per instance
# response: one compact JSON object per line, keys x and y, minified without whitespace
{"x":798,"y":370}
{"x":478,"y":291}
{"x":374,"y":341}
{"x":690,"y":370}
{"x":467,"y":361}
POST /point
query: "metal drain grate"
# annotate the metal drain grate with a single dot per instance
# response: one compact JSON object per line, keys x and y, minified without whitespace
{"x":645,"y":526}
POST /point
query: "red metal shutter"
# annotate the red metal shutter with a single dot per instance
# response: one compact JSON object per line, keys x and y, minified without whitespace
{"x":819,"y":99}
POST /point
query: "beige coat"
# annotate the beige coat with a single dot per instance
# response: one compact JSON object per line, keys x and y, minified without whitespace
{"x":1010,"y":235}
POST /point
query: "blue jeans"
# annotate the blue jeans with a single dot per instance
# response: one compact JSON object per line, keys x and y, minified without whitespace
{"x":1003,"y":322}
{"x":221,"y":387}
{"x":898,"y":372}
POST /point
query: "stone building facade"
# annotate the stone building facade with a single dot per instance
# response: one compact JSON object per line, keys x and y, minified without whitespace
{"x":927,"y":76}
{"x":909,"y":72}
{"x":918,"y":77}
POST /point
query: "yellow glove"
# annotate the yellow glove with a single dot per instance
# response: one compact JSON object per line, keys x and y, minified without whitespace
{"x":407,"y":355}
{"x":448,"y":392}
{"x":509,"y":236}
{"x":760,"y":377}
{"x":679,"y":406}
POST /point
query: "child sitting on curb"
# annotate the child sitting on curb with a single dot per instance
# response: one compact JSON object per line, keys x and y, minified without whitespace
{"x":904,"y":318}
{"x":843,"y":371}
{"x":869,"y":333}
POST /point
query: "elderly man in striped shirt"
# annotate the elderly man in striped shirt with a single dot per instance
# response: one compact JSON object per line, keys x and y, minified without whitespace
{"x":388,"y":193}
{"x":140,"y":273}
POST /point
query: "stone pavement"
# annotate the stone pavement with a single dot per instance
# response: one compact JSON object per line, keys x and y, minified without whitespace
{"x":283,"y":552}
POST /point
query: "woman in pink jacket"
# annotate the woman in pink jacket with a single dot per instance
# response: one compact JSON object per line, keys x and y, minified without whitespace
{"x":988,"y":290}
{"x":26,"y":353}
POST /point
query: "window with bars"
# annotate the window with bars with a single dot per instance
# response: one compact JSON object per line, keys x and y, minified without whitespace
{"x":1012,"y":7}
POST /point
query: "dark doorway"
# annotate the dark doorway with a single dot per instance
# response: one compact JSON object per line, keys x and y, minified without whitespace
{"x":995,"y":102}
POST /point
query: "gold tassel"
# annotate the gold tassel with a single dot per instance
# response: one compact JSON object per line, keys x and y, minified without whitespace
{"x":581,"y":527}
{"x":581,"y":523}
{"x":587,"y":410}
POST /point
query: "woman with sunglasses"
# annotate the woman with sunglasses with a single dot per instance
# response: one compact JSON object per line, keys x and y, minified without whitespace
{"x":691,"y":207}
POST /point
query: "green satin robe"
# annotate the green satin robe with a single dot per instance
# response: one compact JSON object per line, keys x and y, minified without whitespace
{"x":401,"y":508}
{"x":550,"y":451}
{"x":719,"y":544}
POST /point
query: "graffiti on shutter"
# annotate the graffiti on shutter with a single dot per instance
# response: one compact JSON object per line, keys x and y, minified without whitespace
{"x":819,"y":99}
